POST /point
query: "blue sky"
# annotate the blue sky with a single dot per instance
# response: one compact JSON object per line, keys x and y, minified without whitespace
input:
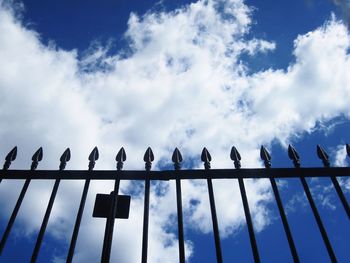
{"x":176,"y":73}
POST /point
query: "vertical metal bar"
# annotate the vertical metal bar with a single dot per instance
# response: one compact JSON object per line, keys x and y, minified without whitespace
{"x":236,"y":157}
{"x":78,"y":221}
{"x":249,"y":221}
{"x":13,"y":215}
{"x":321,"y":153}
{"x":265,"y":156}
{"x":108,"y":237}
{"x":319,"y":221}
{"x":180,"y":222}
{"x":293,"y":155}
{"x":215,"y":221}
{"x":45,"y":221}
{"x":341,"y":195}
{"x":206,"y":158}
{"x":64,"y":159}
{"x":177,"y":159}
{"x":284,"y":221}
{"x":148,"y":158}
{"x":92,"y":158}
{"x":36,"y":158}
{"x":145,"y":221}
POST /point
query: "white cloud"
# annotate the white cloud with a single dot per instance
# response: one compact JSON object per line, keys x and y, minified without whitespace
{"x":183,"y":84}
{"x":340,"y":156}
{"x":341,"y":160}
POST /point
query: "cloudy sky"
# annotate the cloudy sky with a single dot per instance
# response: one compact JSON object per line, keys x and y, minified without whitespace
{"x":168,"y":74}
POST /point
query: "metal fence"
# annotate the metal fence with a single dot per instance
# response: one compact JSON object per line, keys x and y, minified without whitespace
{"x":117,"y":206}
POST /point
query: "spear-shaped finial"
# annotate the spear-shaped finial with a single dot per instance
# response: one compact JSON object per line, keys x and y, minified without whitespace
{"x":321,"y":153}
{"x":206,"y":158}
{"x":265,"y":156}
{"x":36,"y":158}
{"x":120,"y":158}
{"x":294,"y":156}
{"x":10,"y":157}
{"x":148,"y":158}
{"x":65,"y":157}
{"x":235,"y":157}
{"x":347,"y":147}
{"x":177,"y":159}
{"x":92,"y":158}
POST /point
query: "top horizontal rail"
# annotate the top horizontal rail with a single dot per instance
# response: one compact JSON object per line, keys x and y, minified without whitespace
{"x":175,"y":174}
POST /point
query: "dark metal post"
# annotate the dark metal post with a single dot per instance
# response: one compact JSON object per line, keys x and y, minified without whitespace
{"x":265,"y":156}
{"x":295,"y":157}
{"x":37,"y":157}
{"x":14,"y":215}
{"x":236,"y":157}
{"x":64,"y":159}
{"x":45,"y":221}
{"x":324,"y":157}
{"x":92,"y":158}
{"x":148,"y":158}
{"x":177,"y":159}
{"x":108,"y":237}
{"x":206,"y":158}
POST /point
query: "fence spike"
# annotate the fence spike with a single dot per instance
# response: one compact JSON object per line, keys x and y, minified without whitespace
{"x":321,"y":153}
{"x":177,"y":159}
{"x":293,"y":155}
{"x":36,"y":158}
{"x":265,"y":156}
{"x":206,"y":158}
{"x":347,"y":146}
{"x":148,"y":158}
{"x":235,"y":157}
{"x":10,"y":157}
{"x":65,"y":157}
{"x":93,"y":157}
{"x":120,"y":158}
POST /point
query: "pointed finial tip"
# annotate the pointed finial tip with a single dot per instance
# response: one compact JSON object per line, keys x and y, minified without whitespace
{"x":234,"y":155}
{"x":148,"y":156}
{"x":94,"y":155}
{"x":38,"y":155}
{"x":121,"y":155}
{"x":65,"y":157}
{"x":11,"y":156}
{"x":176,"y":157}
{"x":205,"y":156}
{"x":322,"y":154}
{"x":292,"y":153}
{"x":36,"y":158}
{"x":264,"y":154}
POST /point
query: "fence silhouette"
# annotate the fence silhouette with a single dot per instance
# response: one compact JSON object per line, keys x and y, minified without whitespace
{"x":117,"y":206}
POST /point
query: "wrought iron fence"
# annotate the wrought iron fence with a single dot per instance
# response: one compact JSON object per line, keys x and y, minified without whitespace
{"x":117,"y":206}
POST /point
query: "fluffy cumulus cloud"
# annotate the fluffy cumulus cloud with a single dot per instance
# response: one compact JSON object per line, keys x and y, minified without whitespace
{"x":180,"y":82}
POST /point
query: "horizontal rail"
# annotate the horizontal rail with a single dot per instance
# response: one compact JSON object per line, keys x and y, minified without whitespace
{"x":172,"y":174}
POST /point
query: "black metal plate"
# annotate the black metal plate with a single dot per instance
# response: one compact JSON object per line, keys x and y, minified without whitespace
{"x":103,"y":203}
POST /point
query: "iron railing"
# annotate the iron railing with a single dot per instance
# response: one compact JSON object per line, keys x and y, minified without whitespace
{"x":117,"y":206}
